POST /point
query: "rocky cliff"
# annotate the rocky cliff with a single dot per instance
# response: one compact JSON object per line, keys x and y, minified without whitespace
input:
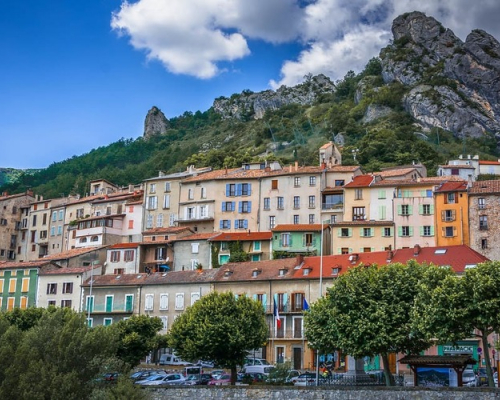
{"x":248,"y":105}
{"x":450,"y":84}
{"x":156,"y":123}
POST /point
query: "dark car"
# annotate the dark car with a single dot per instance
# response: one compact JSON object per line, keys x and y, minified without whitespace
{"x":141,"y":375}
{"x":201,"y":379}
{"x":111,"y":376}
{"x":481,"y":377}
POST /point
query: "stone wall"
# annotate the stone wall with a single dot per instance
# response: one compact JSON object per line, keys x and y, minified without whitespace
{"x":313,"y":393}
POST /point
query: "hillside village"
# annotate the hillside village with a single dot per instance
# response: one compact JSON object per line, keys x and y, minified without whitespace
{"x":280,"y":234}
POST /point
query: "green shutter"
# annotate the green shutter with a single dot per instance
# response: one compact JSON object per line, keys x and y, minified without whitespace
{"x":420,"y":209}
{"x":410,"y":210}
{"x":400,"y":209}
{"x":400,"y":231}
{"x":372,"y":232}
{"x":432,"y":208}
{"x":411,"y":230}
{"x":350,"y":250}
{"x":432,"y":230}
{"x":339,"y":232}
{"x":350,"y":232}
{"x":339,"y":250}
{"x":361,"y":232}
{"x":421,"y":231}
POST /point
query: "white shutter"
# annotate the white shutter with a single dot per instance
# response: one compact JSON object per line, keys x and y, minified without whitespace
{"x":166,"y":201}
{"x":194,"y":248}
{"x":195,"y":297}
{"x":164,"y":301}
{"x":149,"y":302}
{"x":179,"y":301}
{"x":164,"y":321}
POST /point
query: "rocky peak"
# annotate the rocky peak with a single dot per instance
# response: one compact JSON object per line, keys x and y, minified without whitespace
{"x":155,"y":124}
{"x":250,"y":105}
{"x":451,"y":84}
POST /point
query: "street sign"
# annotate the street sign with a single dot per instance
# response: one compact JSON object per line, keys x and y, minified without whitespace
{"x":479,"y":350}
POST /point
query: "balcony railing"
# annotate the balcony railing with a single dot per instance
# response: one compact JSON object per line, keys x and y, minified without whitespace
{"x":286,"y":334}
{"x":116,"y":308}
{"x":332,"y":206}
{"x":283,"y":308}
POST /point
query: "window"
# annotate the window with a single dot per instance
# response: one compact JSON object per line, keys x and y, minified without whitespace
{"x":119,"y":271}
{"x":195,"y":248}
{"x":274,"y":184}
{"x":131,"y":224}
{"x":128,"y":255}
{"x":450,"y":198}
{"x":367,"y":232}
{"x":115,"y":256}
{"x":405,"y":209}
{"x":426,"y":209}
{"x":25,"y":285}
{"x":427,"y":230}
{"x":164,"y":321}
{"x":94,"y":239}
{"x":179,"y":301}
{"x":203,"y":193}
{"x":272,"y":222}
{"x":285,"y":240}
{"x":240,"y":224}
{"x":61,"y":215}
{"x":245,"y":189}
{"x":484,"y":243}
{"x":448,"y":215}
{"x":296,"y":219}
{"x":53,"y":231}
{"x":339,"y":182}
{"x":245,"y":206}
{"x":51,"y":288}
{"x":166,"y":201}
{"x":224,"y":246}
{"x":160,"y":253}
{"x":51,"y":303}
{"x":449,"y":231}
{"x":67,"y":287}
{"x":267,"y":203}
{"x":345,"y":232}
{"x":54,"y":216}
{"x":107,"y":321}
{"x":191,"y":213}
{"x":307,"y":239}
{"x":159,"y":221}
{"x":296,"y":181}
{"x":149,"y":301}
{"x":358,"y":213}
{"x":296,"y":202}
{"x":312,"y":218}
{"x":152,"y":202}
{"x":312,"y":181}
{"x":23,"y":302}
{"x":312,"y":201}
{"x":483,"y":222}
{"x":225,"y":224}
{"x":297,"y":301}
{"x":195,"y":297}
{"x":59,"y":230}
{"x":164,"y":301}
{"x":190,"y":194}
{"x":367,"y":249}
{"x":66,"y":303}
{"x":34,"y":220}
{"x":358,"y":194}
{"x":149,"y":221}
{"x":481,"y":203}
{"x":228,"y":206}
{"x":405,"y":231}
{"x":152,"y":188}
{"x":381,"y":194}
{"x":167,"y":186}
{"x":387,"y":232}
{"x":44,"y":219}
{"x":256,"y":246}
{"x":230,"y":189}
{"x":280,"y":203}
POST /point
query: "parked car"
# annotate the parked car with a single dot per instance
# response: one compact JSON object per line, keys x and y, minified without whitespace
{"x":201,"y":379}
{"x":141,"y":375}
{"x":253,"y":377}
{"x":481,"y":377}
{"x":468,"y":378}
{"x":111,"y":376}
{"x":217,"y":373}
{"x":222,"y":380}
{"x":292,"y":376}
{"x":495,"y":378}
{"x":306,"y":379}
{"x":170,"y":379}
{"x":172,"y":359}
{"x":205,"y":364}
{"x":262,"y":369}
{"x":256,"y":361}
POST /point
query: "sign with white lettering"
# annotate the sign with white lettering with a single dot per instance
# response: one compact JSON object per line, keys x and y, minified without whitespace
{"x":458,"y":349}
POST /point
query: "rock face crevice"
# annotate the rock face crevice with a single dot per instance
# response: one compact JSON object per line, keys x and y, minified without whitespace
{"x":155,"y":124}
{"x":451,"y":84}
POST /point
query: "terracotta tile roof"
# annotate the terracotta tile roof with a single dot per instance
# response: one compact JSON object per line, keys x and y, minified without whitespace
{"x":458,"y":186}
{"x":171,"y":230}
{"x":485,"y":187}
{"x":266,"y":270}
{"x":73,"y":253}
{"x":102,"y":216}
{"x":24,"y":264}
{"x":158,"y":278}
{"x":362,"y":222}
{"x":134,"y":203}
{"x":124,"y":246}
{"x":326,"y":145}
{"x":298,"y":227}
{"x":361,"y":181}
{"x":489,"y":163}
{"x":118,"y":197}
{"x":241,"y":236}
{"x":66,"y":271}
{"x":13,"y":196}
{"x":197,"y":236}
{"x":396,"y":172}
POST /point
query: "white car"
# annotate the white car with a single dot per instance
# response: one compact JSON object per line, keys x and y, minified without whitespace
{"x":170,"y":379}
{"x":306,"y":379}
{"x":469,"y":378}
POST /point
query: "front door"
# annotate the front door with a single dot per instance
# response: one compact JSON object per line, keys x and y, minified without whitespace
{"x":297,"y":358}
{"x":109,"y":303}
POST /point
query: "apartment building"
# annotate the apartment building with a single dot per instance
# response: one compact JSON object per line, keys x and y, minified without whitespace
{"x":452,"y":213}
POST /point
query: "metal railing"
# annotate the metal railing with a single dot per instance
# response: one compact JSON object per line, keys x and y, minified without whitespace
{"x":116,"y":308}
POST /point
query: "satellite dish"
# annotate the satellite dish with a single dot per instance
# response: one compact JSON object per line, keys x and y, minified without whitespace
{"x":168,"y":258}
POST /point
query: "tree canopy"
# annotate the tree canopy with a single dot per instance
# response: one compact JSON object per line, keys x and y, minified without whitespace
{"x":220,"y":327}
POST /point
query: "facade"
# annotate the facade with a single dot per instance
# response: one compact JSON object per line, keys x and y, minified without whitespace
{"x":192,"y":252}
{"x":362,"y":236}
{"x":484,"y":214}
{"x":11,"y":216}
{"x":39,"y":219}
{"x":57,"y":226}
{"x":452,"y":213}
{"x":123,"y":258}
{"x":256,"y":244}
{"x":82,"y":257}
{"x":305,"y":239}
{"x":61,"y":287}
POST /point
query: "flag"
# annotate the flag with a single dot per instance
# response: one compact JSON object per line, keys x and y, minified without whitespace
{"x":277,"y":315}
{"x":305,"y":305}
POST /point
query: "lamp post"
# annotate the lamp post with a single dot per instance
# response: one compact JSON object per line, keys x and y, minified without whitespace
{"x":320,"y":291}
{"x":90,"y":292}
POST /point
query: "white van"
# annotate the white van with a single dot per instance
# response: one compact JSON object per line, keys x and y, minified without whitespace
{"x":172,"y":359}
{"x":263,"y":369}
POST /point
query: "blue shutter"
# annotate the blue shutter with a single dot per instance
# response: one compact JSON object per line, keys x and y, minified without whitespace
{"x":228,"y":190}
{"x":264,"y":301}
{"x":233,"y":205}
{"x":222,"y":206}
{"x":249,"y":206}
{"x":245,"y":223}
{"x":285,"y":300}
{"x":240,"y":206}
{"x":221,"y":224}
{"x":255,"y":297}
{"x":249,"y":189}
{"x":238,"y":189}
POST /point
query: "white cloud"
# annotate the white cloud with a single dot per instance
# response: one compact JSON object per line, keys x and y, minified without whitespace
{"x":194,"y":36}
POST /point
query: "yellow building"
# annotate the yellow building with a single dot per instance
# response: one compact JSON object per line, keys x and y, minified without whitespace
{"x":452,"y":214}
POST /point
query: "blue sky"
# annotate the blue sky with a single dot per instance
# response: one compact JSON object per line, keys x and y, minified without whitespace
{"x":77,"y":75}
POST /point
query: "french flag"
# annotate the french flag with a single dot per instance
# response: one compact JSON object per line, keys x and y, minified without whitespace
{"x":277,"y":315}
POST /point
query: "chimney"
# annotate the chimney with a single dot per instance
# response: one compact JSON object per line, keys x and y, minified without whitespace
{"x":296,"y":166}
{"x":130,"y":188}
{"x":390,"y":255}
{"x":469,"y":181}
{"x":299,"y":259}
{"x":416,"y":250}
{"x":323,"y":165}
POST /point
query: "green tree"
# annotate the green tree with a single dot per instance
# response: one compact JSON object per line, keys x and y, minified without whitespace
{"x":137,"y":336}
{"x":458,"y":306}
{"x":367,"y":312}
{"x":220,"y":327}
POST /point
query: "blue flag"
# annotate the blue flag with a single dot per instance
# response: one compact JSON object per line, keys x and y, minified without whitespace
{"x":305,"y":306}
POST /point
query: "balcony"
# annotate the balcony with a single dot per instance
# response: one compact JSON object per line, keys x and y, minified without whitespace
{"x":283,"y":308}
{"x":286,"y":334}
{"x":332,"y":206}
{"x":118,"y":308}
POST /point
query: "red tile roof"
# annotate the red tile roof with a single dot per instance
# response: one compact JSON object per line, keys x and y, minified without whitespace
{"x":73,"y":253}
{"x":361,"y":181}
{"x":396,"y":172}
{"x":362,"y":222}
{"x":298,"y":227}
{"x":197,"y":236}
{"x":241,"y":236}
{"x":485,"y":187}
{"x":172,"y":230}
{"x":124,"y":246}
{"x":489,"y":163}
{"x":66,"y":271}
{"x":458,"y":186}
{"x":24,"y":264}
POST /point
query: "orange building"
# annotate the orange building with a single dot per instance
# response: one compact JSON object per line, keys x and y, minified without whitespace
{"x":452,"y":214}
